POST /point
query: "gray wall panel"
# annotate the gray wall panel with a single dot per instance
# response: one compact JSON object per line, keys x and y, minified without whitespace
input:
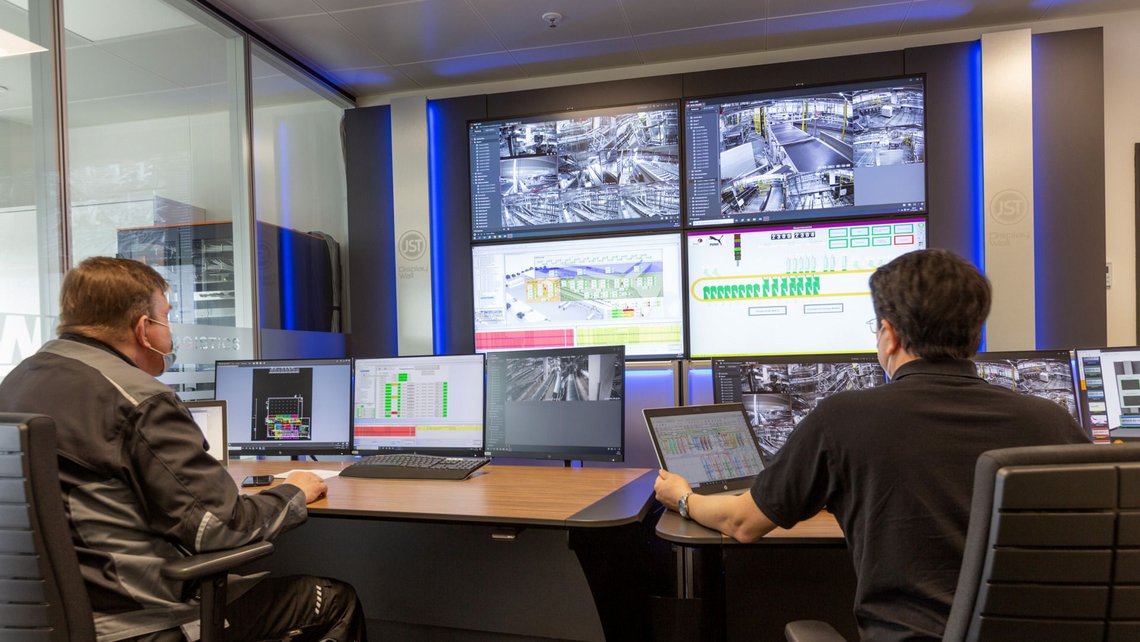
{"x":372,"y":262}
{"x":1068,"y":150}
{"x":950,"y":195}
{"x":791,"y":74}
{"x":587,"y":96}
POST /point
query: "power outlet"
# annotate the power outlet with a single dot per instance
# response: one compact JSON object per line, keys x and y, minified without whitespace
{"x":1108,"y":275}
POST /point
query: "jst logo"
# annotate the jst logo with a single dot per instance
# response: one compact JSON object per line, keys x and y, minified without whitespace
{"x":412,"y":245}
{"x":1009,"y":207}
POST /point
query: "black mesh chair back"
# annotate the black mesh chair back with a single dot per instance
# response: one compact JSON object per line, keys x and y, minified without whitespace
{"x":1053,"y":547}
{"x":42,"y":596}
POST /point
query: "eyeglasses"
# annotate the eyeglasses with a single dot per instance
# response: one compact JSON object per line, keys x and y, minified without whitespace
{"x":873,"y":326}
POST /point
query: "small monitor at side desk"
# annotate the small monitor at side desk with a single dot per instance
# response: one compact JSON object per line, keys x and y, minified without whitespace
{"x":430,"y":405}
{"x":211,"y":418}
{"x":1109,"y":392}
{"x":778,"y":392}
{"x":1047,"y":374}
{"x":287,"y":406}
{"x":567,"y":404}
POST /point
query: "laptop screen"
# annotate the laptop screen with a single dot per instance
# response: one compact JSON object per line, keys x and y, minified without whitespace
{"x":211,"y":418}
{"x":711,"y":446}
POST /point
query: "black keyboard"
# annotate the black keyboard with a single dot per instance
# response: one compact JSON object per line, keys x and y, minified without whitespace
{"x":407,"y":466}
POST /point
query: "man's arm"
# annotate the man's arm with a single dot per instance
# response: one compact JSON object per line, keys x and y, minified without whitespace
{"x":734,"y":515}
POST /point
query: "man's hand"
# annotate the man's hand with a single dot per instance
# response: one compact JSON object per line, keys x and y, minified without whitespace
{"x":314,"y":487}
{"x":669,"y":487}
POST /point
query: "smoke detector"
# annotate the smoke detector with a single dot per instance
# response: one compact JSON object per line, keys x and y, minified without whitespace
{"x":552,"y":18}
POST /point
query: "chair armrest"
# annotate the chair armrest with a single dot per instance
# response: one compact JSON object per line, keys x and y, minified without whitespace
{"x":206,"y":564}
{"x":811,"y":631}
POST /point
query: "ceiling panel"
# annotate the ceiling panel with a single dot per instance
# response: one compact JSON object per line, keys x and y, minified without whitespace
{"x":721,"y":40}
{"x":1066,"y":8}
{"x":373,"y":80}
{"x":519,"y":24}
{"x":650,"y":16}
{"x":420,"y":31}
{"x":940,"y":15}
{"x":262,"y":9}
{"x":835,"y":26}
{"x":95,"y":73}
{"x":341,"y":5}
{"x":458,"y":71}
{"x":583,"y":56}
{"x":324,"y":41}
{"x":185,"y":57}
{"x":785,"y":8}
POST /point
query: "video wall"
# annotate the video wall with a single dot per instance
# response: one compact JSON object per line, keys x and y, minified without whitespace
{"x":584,"y":234}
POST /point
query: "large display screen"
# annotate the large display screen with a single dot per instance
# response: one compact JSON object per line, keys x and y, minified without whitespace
{"x":600,"y":170}
{"x":806,"y":153}
{"x":431,"y":405}
{"x":1110,"y":393}
{"x":557,"y":404}
{"x":1047,"y":374}
{"x":286,"y":407}
{"x":778,"y":393}
{"x":790,"y":289}
{"x":586,"y":292}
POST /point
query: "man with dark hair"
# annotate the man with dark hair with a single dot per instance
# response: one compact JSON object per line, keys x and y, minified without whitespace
{"x":895,"y":464}
{"x":139,"y":487}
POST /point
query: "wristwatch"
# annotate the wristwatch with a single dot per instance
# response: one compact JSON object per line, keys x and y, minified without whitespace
{"x":683,"y":505}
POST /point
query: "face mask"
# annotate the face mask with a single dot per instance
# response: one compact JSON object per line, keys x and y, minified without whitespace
{"x":168,"y":358}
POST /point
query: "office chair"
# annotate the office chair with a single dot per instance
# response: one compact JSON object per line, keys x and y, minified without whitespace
{"x":42,"y":595}
{"x":1052,"y":551}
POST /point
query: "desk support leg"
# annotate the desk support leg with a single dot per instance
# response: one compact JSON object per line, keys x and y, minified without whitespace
{"x":616,"y":563}
{"x":685,"y":588}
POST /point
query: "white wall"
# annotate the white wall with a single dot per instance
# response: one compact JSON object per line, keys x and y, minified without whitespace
{"x":1121,"y":132}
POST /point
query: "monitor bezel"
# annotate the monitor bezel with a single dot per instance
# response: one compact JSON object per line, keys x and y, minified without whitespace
{"x":585,"y":232}
{"x":245,"y":451}
{"x":681,"y":288}
{"x":442,"y":452}
{"x":222,"y":405}
{"x":767,"y":227}
{"x":1082,"y":399}
{"x":832,"y":214}
{"x":564,"y":454}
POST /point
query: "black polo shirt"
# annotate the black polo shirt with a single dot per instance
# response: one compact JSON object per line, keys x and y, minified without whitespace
{"x":895,"y":464}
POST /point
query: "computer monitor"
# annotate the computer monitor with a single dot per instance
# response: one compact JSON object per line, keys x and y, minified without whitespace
{"x":211,"y":419}
{"x":577,"y":172}
{"x":565,"y":404}
{"x":778,"y":392}
{"x":790,"y":289}
{"x":829,"y":151}
{"x":1109,"y":391}
{"x":1047,"y":374}
{"x":582,"y":292}
{"x":287,"y":406}
{"x":429,"y":405}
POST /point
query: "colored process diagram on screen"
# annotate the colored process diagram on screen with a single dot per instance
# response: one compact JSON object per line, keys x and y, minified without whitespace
{"x":612,"y":291}
{"x":790,"y":290}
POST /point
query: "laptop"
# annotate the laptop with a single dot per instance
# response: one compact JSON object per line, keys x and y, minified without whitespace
{"x":211,"y":418}
{"x":712,"y":446}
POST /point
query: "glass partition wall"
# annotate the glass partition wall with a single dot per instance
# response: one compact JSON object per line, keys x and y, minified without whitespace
{"x":158,"y":153}
{"x":30,"y":235}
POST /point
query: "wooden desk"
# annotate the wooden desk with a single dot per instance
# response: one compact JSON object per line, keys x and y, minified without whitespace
{"x":524,"y":495}
{"x":597,"y":513}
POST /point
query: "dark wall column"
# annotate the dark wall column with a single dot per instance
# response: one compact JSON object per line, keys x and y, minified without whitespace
{"x":451,"y":231}
{"x":1068,"y":188}
{"x":372,"y":261}
{"x":952,"y":174}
